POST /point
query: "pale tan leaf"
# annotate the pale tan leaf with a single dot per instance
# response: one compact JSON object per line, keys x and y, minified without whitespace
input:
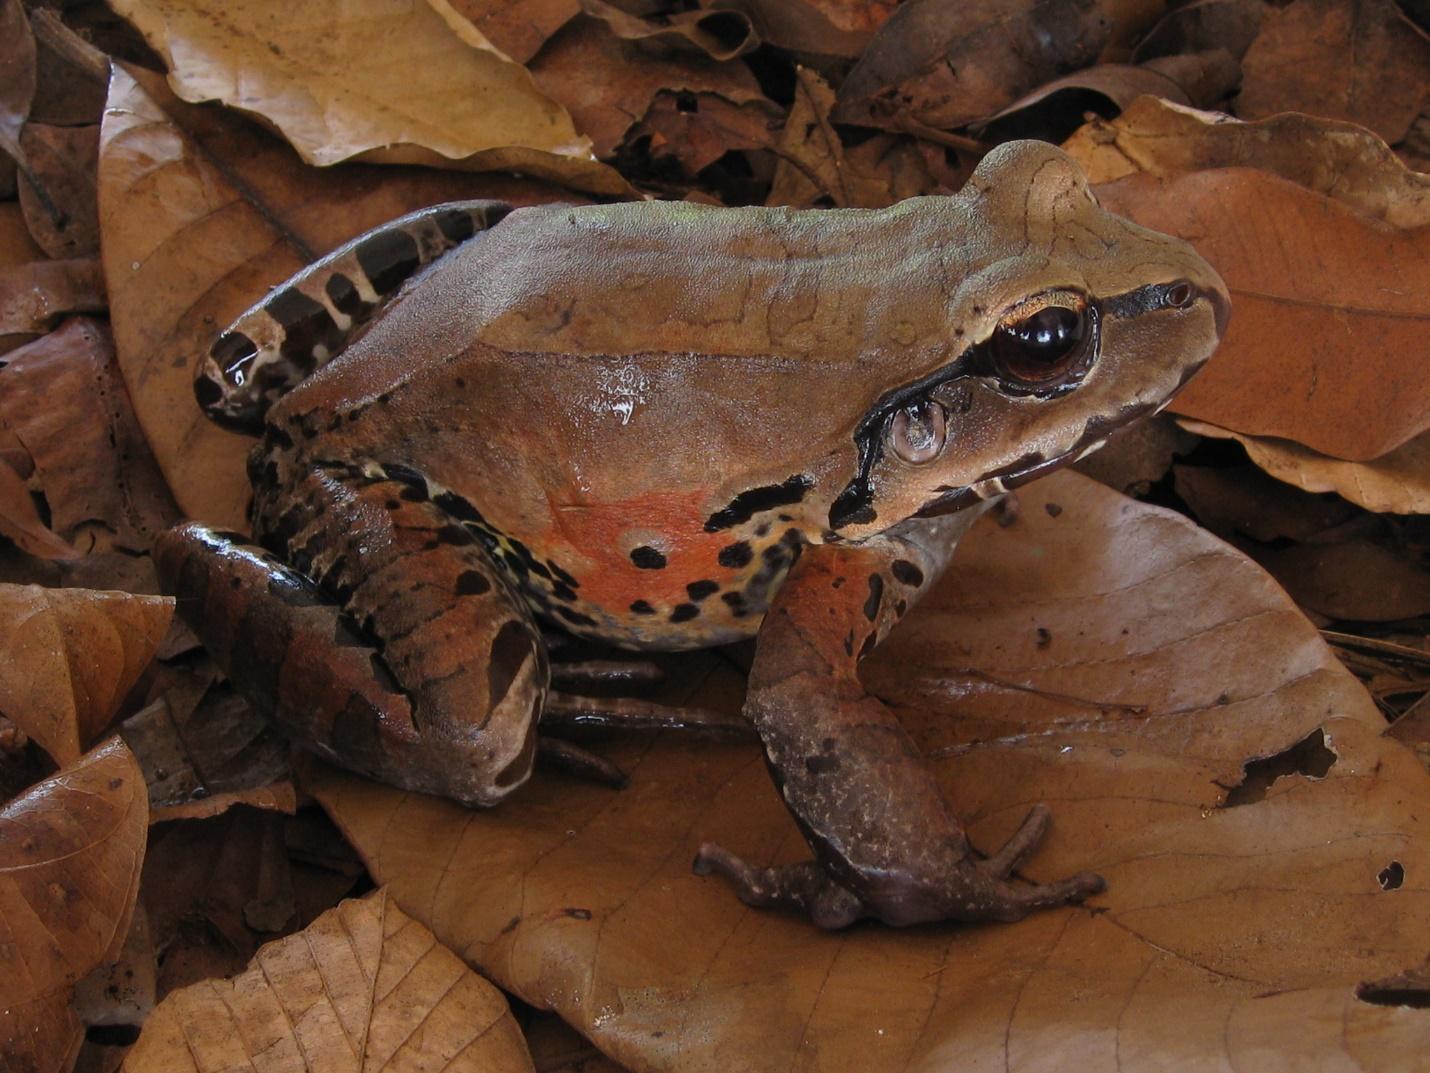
{"x":70,"y":853}
{"x":517,"y":29}
{"x":362,"y":988}
{"x":1105,"y":656}
{"x":1394,"y":483}
{"x":378,"y":80}
{"x":68,"y":657}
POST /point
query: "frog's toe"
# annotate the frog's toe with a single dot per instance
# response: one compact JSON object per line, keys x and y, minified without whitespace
{"x":1024,"y":841}
{"x":804,"y":887}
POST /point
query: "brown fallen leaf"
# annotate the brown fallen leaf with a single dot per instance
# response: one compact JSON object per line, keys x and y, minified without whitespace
{"x":1102,"y":655}
{"x":70,"y":854}
{"x":17,"y":247}
{"x":1137,"y":455}
{"x":35,"y":297}
{"x":718,"y":34}
{"x":369,"y":80}
{"x":697,"y":129}
{"x":1053,"y":111}
{"x":518,"y":30}
{"x":1329,"y":317}
{"x":939,"y":65}
{"x":1241,"y":500}
{"x":17,"y":76}
{"x":607,"y":84}
{"x":68,"y":658}
{"x":1227,"y":24}
{"x":1363,"y":62}
{"x":65,"y":220}
{"x":201,"y":213}
{"x":812,"y":164}
{"x":815,"y":27}
{"x":1340,"y":160}
{"x":364,"y":987}
{"x":1354,"y":580}
{"x":63,"y":400}
{"x":1394,"y":483}
{"x":20,"y":520}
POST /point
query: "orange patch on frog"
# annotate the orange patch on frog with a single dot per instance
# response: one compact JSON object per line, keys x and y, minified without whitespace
{"x":592,"y":540}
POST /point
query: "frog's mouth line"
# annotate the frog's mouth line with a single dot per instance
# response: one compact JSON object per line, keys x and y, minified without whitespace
{"x":1031,"y":467}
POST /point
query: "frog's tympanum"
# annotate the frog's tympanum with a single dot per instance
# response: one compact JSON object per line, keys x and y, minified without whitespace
{"x":667,"y":426}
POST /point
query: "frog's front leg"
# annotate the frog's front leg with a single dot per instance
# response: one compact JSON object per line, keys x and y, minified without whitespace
{"x":392,"y":645}
{"x":886,"y":843}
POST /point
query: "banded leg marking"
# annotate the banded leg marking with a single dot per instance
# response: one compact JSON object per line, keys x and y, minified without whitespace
{"x":304,"y":322}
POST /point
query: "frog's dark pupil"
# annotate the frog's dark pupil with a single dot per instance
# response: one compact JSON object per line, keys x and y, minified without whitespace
{"x":1042,"y":346}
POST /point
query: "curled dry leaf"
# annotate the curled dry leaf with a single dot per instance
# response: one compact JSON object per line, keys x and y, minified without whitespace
{"x":68,"y":658}
{"x":941,"y":65}
{"x":698,"y":129}
{"x":607,"y":84}
{"x":1394,"y":483}
{"x":363,"y":987}
{"x":201,"y":213}
{"x":63,"y":400}
{"x":1329,"y":314}
{"x":62,"y":160}
{"x":721,"y":35}
{"x":1363,"y":62}
{"x":20,"y":519}
{"x":1105,"y":656}
{"x":34,"y":297}
{"x":1354,"y":580}
{"x":70,"y":854}
{"x":518,"y":30}
{"x":371,"y":80}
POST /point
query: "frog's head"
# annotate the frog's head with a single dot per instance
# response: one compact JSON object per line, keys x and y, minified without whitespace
{"x":1070,"y":323}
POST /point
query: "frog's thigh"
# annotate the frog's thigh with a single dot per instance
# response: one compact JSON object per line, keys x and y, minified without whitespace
{"x":412,"y":661}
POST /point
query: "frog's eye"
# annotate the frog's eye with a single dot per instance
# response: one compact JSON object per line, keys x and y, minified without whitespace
{"x":1042,"y":346}
{"x":918,"y":431}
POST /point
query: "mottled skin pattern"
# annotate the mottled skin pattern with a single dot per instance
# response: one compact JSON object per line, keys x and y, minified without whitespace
{"x":666,"y":426}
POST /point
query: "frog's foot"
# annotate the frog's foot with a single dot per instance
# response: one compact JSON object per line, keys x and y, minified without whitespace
{"x":972,"y":889}
{"x":582,"y":763}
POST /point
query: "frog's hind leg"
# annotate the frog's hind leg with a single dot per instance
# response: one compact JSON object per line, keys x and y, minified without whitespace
{"x":406,"y":657}
{"x":304,"y":322}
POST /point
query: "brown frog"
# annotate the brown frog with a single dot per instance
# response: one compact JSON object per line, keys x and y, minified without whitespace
{"x":668,"y":426}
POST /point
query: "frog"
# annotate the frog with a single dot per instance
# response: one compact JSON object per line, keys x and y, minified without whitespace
{"x":666,"y":426}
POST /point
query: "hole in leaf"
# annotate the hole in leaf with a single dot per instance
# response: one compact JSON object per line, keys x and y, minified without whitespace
{"x":1391,"y":876}
{"x":1310,"y":757}
{"x":1407,"y":989}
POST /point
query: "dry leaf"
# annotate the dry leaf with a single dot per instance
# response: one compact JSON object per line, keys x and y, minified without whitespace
{"x":65,"y":220}
{"x":34,"y":297}
{"x":1363,"y":62}
{"x":201,"y":214}
{"x":17,"y":75}
{"x":1342,"y":161}
{"x":20,"y":520}
{"x":203,"y":750}
{"x":1105,"y":656}
{"x":68,"y":658}
{"x":607,"y":84}
{"x":1137,"y":455}
{"x":941,"y":65}
{"x":70,"y":853}
{"x":364,"y":987}
{"x":517,"y":29}
{"x":697,"y":129}
{"x":1241,"y":500}
{"x":1351,"y":580}
{"x":812,"y":164}
{"x":1328,"y":318}
{"x":720,"y":35}
{"x":16,"y":245}
{"x":1227,"y":24}
{"x":380,"y":80}
{"x":1394,"y":483}
{"x":64,"y":401}
{"x":815,"y":27}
